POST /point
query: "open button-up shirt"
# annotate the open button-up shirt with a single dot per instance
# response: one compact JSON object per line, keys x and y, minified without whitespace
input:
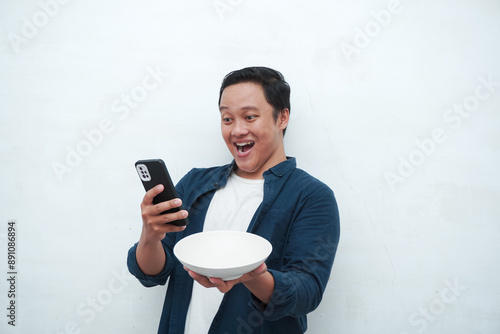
{"x":298,"y":215}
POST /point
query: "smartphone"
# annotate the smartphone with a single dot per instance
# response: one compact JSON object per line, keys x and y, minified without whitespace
{"x":154,"y":172}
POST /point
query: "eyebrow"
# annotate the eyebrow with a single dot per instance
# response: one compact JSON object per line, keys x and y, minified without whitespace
{"x":221,"y":108}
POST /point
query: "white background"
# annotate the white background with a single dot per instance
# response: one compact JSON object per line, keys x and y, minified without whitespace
{"x":372,"y":83}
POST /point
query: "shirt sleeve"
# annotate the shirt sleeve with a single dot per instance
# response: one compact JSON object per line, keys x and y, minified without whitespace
{"x":308,"y":259}
{"x":146,"y":280}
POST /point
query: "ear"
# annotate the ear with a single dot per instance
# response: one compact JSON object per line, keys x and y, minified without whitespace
{"x":283,"y":118}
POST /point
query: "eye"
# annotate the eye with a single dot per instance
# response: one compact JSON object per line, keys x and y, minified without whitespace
{"x":226,"y":119}
{"x":251,"y":117}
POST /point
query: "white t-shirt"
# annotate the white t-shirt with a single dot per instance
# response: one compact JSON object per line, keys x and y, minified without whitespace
{"x":231,"y":208}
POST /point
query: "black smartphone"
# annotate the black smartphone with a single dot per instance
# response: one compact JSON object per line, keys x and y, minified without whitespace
{"x":154,"y":172}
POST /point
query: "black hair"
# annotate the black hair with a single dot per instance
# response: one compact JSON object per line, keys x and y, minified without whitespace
{"x":276,"y":89}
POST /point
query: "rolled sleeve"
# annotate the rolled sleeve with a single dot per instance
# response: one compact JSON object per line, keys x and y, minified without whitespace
{"x":146,"y":280}
{"x":283,"y":299}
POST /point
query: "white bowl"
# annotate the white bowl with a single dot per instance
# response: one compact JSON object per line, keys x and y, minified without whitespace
{"x":222,"y":254}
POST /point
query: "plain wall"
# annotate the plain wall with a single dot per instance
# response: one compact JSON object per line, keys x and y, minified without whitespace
{"x":395,"y":105}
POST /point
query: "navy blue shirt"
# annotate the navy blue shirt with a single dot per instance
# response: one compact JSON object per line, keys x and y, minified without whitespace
{"x":298,"y":215}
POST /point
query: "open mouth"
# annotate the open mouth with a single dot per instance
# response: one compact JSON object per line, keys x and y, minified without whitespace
{"x":244,"y":147}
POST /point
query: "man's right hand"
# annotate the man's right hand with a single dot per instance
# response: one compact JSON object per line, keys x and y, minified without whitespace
{"x":154,"y":224}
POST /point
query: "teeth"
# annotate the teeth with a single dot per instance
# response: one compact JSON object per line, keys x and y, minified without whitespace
{"x":241,"y":145}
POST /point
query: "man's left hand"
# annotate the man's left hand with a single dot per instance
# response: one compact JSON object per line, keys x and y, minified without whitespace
{"x":225,"y":286}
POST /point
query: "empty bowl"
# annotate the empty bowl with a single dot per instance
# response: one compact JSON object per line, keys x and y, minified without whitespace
{"x":222,"y":254}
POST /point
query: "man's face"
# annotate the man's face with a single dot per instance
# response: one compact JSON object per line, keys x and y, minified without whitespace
{"x":252,"y":135}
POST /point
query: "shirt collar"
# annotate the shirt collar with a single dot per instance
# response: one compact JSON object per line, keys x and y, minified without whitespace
{"x":283,"y":167}
{"x":279,"y":170}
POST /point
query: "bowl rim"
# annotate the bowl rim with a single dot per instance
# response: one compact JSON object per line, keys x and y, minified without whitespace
{"x":250,"y":234}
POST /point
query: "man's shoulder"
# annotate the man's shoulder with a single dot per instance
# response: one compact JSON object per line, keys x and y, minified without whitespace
{"x":202,"y":171}
{"x":308,"y":183}
{"x":204,"y":174}
{"x":303,"y":176}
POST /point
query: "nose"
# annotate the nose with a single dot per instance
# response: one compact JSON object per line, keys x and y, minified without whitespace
{"x":240,"y":128}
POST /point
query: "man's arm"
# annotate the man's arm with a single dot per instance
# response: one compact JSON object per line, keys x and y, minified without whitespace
{"x":307,"y":259}
{"x":261,"y":286}
{"x":150,"y":254}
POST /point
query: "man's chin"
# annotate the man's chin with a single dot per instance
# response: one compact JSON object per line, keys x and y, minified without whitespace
{"x":245,"y":171}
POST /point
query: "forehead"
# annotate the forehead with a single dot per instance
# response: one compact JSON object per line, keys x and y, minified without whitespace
{"x":243,"y":93}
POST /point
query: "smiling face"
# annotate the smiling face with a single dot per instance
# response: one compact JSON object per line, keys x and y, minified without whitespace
{"x":251,"y":134}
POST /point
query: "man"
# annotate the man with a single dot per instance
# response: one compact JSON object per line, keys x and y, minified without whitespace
{"x":261,"y":192}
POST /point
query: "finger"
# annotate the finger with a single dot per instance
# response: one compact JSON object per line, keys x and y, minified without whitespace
{"x":165,"y":223}
{"x":203,"y":280}
{"x":223,"y":286}
{"x":250,"y":275}
{"x":151,"y":193}
{"x":259,"y":270}
{"x":216,"y":281}
{"x":197,"y":277}
{"x":153,"y":214}
{"x":169,"y":228}
{"x":159,"y":223}
{"x":156,"y":227}
{"x":165,"y":206}
{"x":172,"y":217}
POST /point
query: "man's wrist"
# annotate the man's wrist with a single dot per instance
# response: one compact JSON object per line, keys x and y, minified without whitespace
{"x":261,"y":286}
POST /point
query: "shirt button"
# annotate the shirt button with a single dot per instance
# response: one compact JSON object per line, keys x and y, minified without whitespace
{"x":216,"y":184}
